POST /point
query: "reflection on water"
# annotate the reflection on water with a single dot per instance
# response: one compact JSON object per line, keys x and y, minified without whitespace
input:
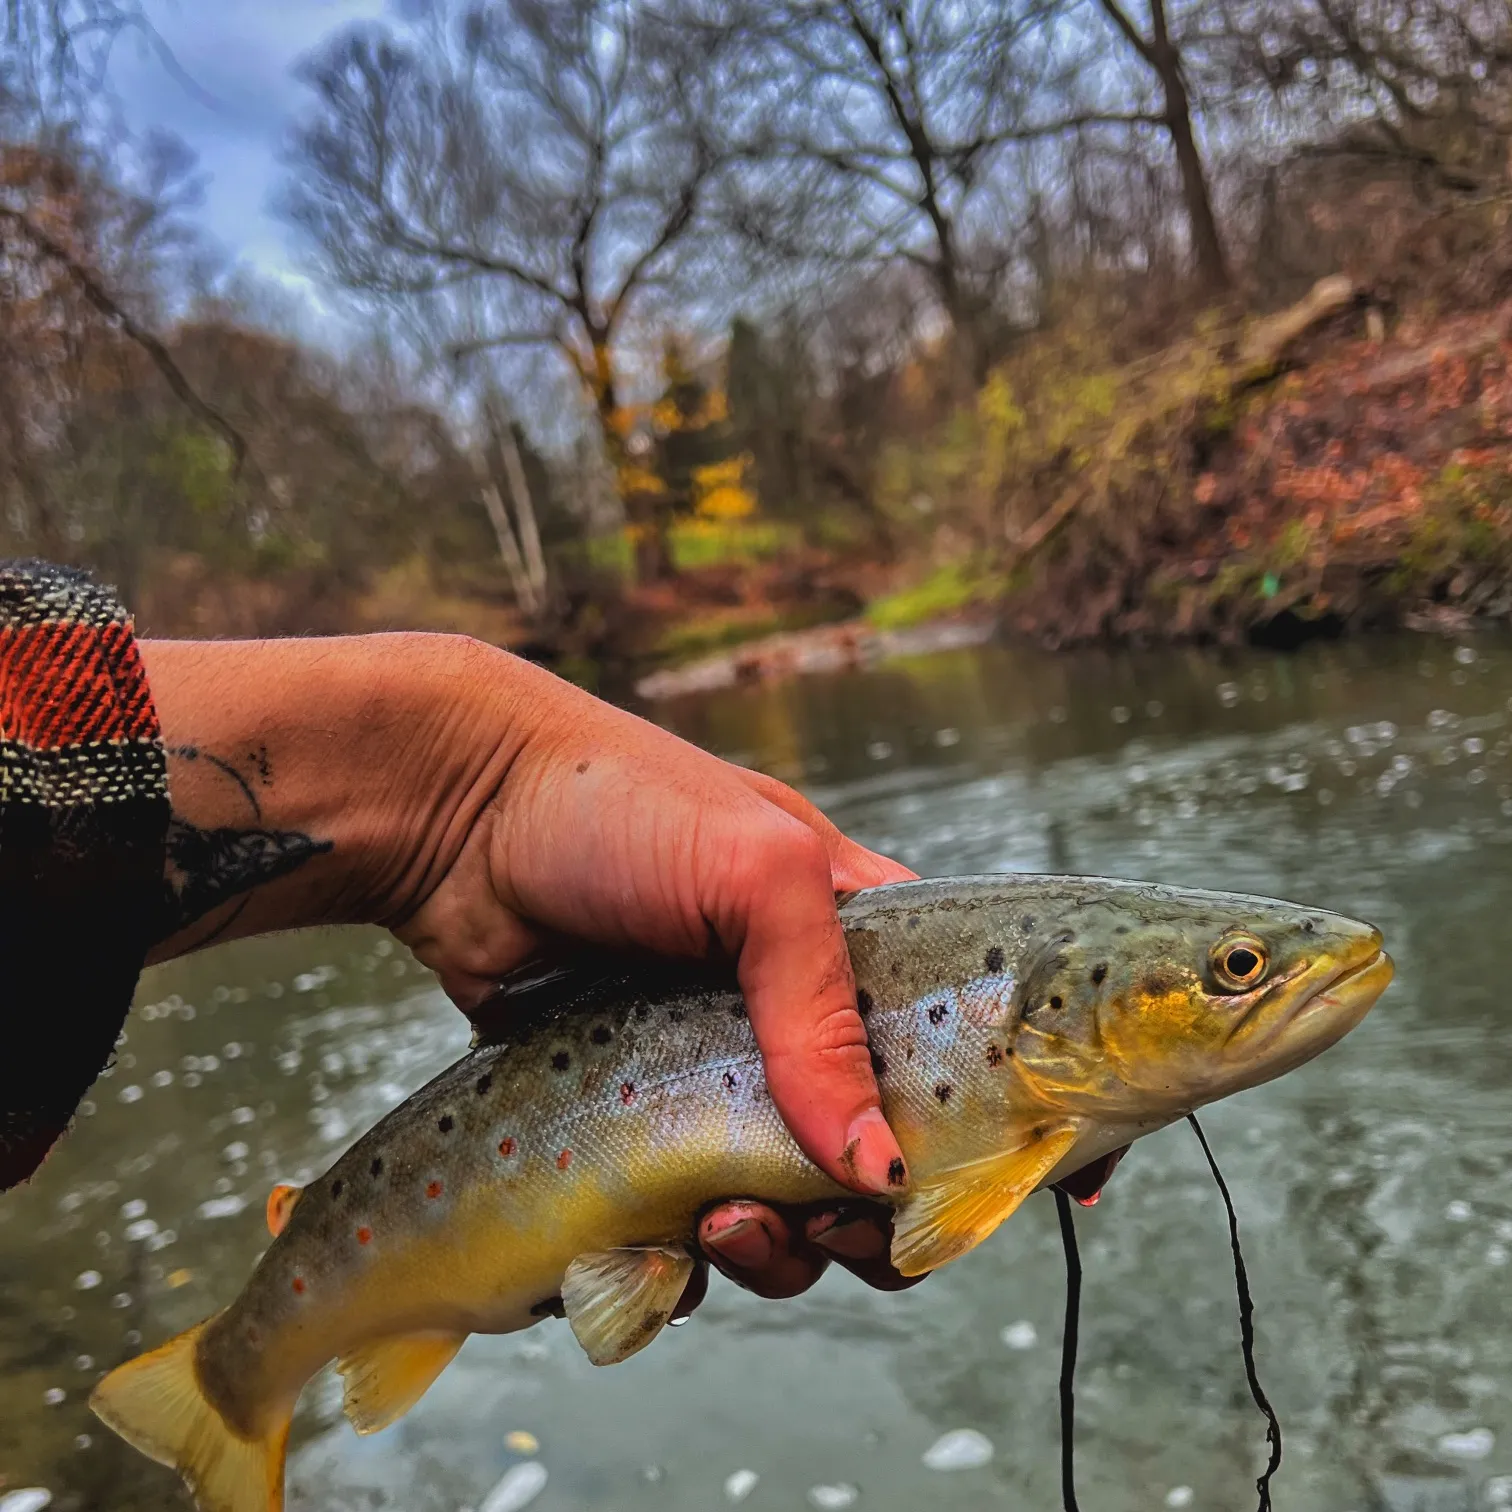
{"x":1372,"y":1185}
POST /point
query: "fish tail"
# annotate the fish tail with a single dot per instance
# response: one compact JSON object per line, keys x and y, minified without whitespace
{"x":157,"y":1404}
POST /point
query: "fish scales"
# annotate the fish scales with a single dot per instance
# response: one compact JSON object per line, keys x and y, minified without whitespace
{"x":1020,"y":1028}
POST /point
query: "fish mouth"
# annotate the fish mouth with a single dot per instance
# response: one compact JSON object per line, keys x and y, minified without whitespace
{"x":1352,"y":986}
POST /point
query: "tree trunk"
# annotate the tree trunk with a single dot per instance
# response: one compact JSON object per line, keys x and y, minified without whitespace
{"x":1208,"y":260}
{"x":525,"y":515}
{"x":653,"y":554}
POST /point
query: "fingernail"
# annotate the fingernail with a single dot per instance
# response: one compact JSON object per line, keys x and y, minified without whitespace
{"x":746,"y":1244}
{"x":872,"y":1155}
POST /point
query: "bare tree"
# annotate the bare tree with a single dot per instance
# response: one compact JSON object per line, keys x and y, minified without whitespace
{"x":1161,"y":53}
{"x":878,"y":131}
{"x":546,"y":158}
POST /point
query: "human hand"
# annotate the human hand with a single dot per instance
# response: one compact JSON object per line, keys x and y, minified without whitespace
{"x":479,"y":806}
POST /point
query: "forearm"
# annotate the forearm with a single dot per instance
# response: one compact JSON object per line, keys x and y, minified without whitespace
{"x":321,"y":780}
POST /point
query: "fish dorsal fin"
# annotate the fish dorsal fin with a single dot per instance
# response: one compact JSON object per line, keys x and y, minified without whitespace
{"x":384,"y":1379}
{"x":281,"y":1202}
{"x":618,"y":1300}
{"x":543,"y":990}
{"x":953,"y":1211}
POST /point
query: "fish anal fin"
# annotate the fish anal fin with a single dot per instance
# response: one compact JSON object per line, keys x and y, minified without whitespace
{"x":618,"y":1300}
{"x":383,"y":1379}
{"x":281,"y":1202}
{"x":952,"y":1211}
{"x":156,"y":1403}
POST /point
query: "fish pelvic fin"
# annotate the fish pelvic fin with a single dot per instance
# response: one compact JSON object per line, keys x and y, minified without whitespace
{"x":384,"y":1379}
{"x":156,"y":1403}
{"x":618,"y":1300}
{"x":281,"y":1202}
{"x":951,"y":1212}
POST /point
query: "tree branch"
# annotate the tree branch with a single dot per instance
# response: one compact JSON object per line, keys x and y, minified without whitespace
{"x":99,"y":296}
{"x":1131,"y":32}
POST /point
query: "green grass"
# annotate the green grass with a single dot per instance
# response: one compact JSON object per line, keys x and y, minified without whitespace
{"x":700,"y":543}
{"x":947,"y":590}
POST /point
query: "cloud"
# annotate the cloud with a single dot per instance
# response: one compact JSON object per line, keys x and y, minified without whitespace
{"x":235,"y":107}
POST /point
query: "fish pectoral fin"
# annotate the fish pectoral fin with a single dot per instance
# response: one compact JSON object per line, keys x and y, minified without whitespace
{"x":618,"y":1300}
{"x":384,"y":1379}
{"x":281,"y":1202}
{"x":955,"y":1210}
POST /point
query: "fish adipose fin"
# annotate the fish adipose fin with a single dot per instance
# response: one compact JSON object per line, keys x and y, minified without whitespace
{"x":618,"y":1300}
{"x":155,"y":1403}
{"x":383,"y":1380}
{"x":281,"y":1202}
{"x":955,"y":1210}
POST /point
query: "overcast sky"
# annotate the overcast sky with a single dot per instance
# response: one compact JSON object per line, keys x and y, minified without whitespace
{"x":240,"y":53}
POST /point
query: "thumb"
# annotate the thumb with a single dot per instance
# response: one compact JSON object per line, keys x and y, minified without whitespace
{"x":795,"y":972}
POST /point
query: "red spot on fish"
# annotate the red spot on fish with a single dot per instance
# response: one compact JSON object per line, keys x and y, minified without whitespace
{"x":433,"y":1190}
{"x":564,"y":1160}
{"x":627,"y":1093}
{"x":299,"y":1286}
{"x":506,"y":1148}
{"x":364,"y":1236}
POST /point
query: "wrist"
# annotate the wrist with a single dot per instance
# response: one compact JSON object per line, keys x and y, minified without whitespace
{"x":322,"y":780}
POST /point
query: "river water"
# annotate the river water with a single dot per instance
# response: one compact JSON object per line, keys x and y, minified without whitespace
{"x":1372,"y":1185}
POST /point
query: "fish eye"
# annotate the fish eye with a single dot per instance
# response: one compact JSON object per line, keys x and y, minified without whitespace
{"x":1239,"y":962}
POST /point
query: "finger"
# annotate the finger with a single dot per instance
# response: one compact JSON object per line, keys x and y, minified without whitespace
{"x":754,"y":1246}
{"x":852,"y":866}
{"x":693,"y":1293}
{"x":861,"y":1242}
{"x":795,"y":973}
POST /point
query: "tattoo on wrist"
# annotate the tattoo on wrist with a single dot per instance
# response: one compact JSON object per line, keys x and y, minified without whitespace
{"x":207,"y":868}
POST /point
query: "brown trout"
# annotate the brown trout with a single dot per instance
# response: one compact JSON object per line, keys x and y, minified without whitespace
{"x":1021,"y":1028}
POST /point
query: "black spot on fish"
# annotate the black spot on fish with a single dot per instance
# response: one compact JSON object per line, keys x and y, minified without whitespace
{"x":863,"y":1001}
{"x":1122,"y":929}
{"x":896,"y":1174}
{"x":942,"y":1091}
{"x":731,"y":1081}
{"x":376,"y":1169}
{"x":913,"y":921}
{"x":1055,"y":1002}
{"x":994,"y":960}
{"x":444,"y":1123}
{"x":1099,"y":972}
{"x":994,"y":1056}
{"x":600,"y":1035}
{"x":896,"y":969}
{"x":1307,"y":926}
{"x":337,"y":1187}
{"x":1028,"y":921}
{"x":627,"y":1093}
{"x":879,"y":1066}
{"x":560,"y":1061}
{"x":937,"y":1012}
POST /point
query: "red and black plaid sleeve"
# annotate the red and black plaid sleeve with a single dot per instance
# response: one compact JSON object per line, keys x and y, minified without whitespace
{"x":83,"y":824}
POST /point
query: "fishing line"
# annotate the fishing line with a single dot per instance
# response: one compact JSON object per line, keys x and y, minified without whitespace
{"x":1246,"y":1325}
{"x":1068,"y":1352}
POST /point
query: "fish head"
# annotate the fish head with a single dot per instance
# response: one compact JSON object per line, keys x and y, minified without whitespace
{"x":1155,"y":1001}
